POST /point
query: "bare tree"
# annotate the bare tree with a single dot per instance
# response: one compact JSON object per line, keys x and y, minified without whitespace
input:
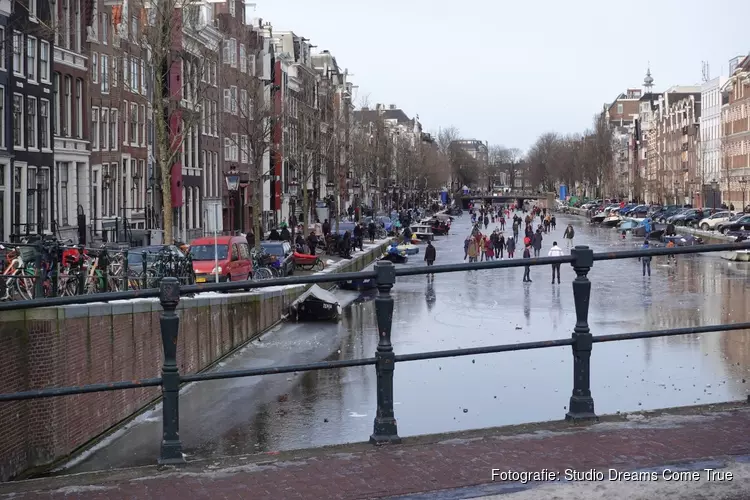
{"x":446,"y":138}
{"x":541,"y":157}
{"x":177,"y":110}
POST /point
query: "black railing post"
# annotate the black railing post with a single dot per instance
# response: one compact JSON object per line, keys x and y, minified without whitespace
{"x":39,"y":274}
{"x":144,"y":267}
{"x":384,"y":429}
{"x":171,"y":446}
{"x":82,"y":273}
{"x":581,"y":403}
{"x":125,"y":270}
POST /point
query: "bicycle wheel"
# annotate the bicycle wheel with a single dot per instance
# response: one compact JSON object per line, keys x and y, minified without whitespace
{"x":262,"y":273}
{"x":319,"y":265}
{"x":24,"y":285}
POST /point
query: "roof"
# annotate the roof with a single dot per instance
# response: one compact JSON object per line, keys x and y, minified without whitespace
{"x":372,"y":115}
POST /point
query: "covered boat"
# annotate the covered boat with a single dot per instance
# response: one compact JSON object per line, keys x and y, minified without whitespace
{"x":315,"y":304}
{"x":683,"y":240}
{"x":737,"y":256}
{"x":357,"y":285}
{"x":396,"y":258}
{"x":627,"y":225}
{"x":422,"y":232}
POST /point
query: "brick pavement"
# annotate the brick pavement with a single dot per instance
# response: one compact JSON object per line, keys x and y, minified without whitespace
{"x":423,"y":464}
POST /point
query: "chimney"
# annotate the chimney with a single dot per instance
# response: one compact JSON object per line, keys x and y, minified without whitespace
{"x":392,"y":106}
{"x":378,"y":107}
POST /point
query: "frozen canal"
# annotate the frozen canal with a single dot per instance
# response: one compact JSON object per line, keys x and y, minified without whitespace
{"x":472,"y":309}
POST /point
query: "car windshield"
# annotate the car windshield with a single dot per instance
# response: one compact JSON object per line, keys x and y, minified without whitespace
{"x":206,"y":252}
{"x":736,"y":217}
{"x":273,"y":248}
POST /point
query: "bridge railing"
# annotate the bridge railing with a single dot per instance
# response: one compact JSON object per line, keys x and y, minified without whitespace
{"x":581,"y":407}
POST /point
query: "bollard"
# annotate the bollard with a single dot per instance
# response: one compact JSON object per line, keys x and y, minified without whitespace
{"x":39,"y":274}
{"x":581,"y":403}
{"x":82,"y":274}
{"x":171,"y":447}
{"x":125,"y":270}
{"x":384,"y":429}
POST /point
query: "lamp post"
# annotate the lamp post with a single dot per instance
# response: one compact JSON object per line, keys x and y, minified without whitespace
{"x":293,"y":189}
{"x":356,"y":191}
{"x":743,"y":182}
{"x":676,"y":185}
{"x":233,"y":184}
{"x":714,"y":187}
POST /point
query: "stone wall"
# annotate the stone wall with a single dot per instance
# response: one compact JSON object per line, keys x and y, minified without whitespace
{"x":109,"y":342}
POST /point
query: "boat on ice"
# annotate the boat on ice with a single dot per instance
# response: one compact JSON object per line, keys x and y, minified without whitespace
{"x":408,"y":248}
{"x":357,"y":285}
{"x":737,"y":256}
{"x":316,"y":304}
{"x":422,"y":232}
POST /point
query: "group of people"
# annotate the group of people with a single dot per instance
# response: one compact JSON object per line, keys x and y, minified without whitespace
{"x":479,"y":247}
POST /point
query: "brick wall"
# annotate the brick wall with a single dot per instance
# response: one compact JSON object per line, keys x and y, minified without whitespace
{"x":77,"y":345}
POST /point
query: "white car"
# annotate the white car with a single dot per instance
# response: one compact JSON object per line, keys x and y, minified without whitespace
{"x":709,"y":223}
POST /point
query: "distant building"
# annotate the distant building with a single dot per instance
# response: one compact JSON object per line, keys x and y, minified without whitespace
{"x":711,"y":161}
{"x":735,"y":118}
{"x":622,"y":114}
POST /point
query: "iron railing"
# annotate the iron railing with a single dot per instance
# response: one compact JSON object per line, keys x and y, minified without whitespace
{"x":385,"y":430}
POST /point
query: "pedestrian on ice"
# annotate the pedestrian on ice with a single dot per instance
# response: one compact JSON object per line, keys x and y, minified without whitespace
{"x":553,"y":223}
{"x":489,"y":249}
{"x":499,"y":246}
{"x":536,"y":242}
{"x":473,"y":251}
{"x":527,"y":268}
{"x":430,"y":253}
{"x":555,"y":251}
{"x":467,"y":242}
{"x":486,"y":222}
{"x":646,"y":260}
{"x":568,"y":235}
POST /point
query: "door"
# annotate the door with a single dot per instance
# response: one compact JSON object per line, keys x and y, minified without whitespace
{"x":235,"y":266}
{"x":245,"y":264}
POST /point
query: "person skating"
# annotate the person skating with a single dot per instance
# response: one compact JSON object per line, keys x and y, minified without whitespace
{"x":536,"y":242}
{"x":473,"y":251}
{"x":430,"y":254}
{"x":555,"y":251}
{"x":568,"y":235}
{"x":510,"y":245}
{"x":527,"y":269}
{"x":499,"y":246}
{"x":646,"y":260}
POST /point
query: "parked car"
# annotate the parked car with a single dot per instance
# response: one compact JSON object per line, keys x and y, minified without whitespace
{"x":741,"y":224}
{"x":678,"y":216}
{"x":710,"y":222}
{"x":695,"y":215}
{"x":227,"y":256}
{"x":284,"y":254}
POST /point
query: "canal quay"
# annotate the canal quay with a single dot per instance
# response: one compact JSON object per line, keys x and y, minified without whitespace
{"x":458,"y":310}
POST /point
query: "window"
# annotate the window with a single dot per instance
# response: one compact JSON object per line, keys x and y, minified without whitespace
{"x":79,"y":108}
{"x":17,"y":59}
{"x":105,"y":28}
{"x":134,"y":75}
{"x":32,"y":9}
{"x":104,"y":129}
{"x":44,"y":61}
{"x":214,"y":118}
{"x":235,"y":147}
{"x":18,"y":120}
{"x":619,"y":109}
{"x":62,"y":171}
{"x":95,"y":67}
{"x":227,"y":149}
{"x":251,"y":64}
{"x":68,"y":105}
{"x":142,"y":121}
{"x":126,"y":128}
{"x":31,"y":58}
{"x":95,"y":129}
{"x":244,"y":150}
{"x":105,"y":73}
{"x":2,"y":118}
{"x":226,"y":52}
{"x":143,"y":76}
{"x":31,"y":196}
{"x":227,"y":100}
{"x":214,"y":70}
{"x":56,"y":103}
{"x":114,"y":71}
{"x":133,"y":123}
{"x":232,"y":8}
{"x":31,"y":123}
{"x":2,"y":48}
{"x":125,"y":71}
{"x":233,"y":98}
{"x":203,"y":117}
{"x":113,"y":129}
{"x":243,"y":59}
{"x":44,"y":141}
{"x":233,"y":52}
{"x":243,"y":102}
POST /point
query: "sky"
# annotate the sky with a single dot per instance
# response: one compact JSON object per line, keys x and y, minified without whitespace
{"x":507,"y":71}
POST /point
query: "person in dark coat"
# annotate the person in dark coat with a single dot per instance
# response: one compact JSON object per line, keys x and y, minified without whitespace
{"x":510,"y":245}
{"x":500,"y":246}
{"x":285,"y":235}
{"x":250,"y":238}
{"x":312,"y":242}
{"x":326,"y":229}
{"x":371,"y":230}
{"x":358,"y":239}
{"x":274,"y":236}
{"x":345,"y":246}
{"x":536,"y":242}
{"x":430,"y":253}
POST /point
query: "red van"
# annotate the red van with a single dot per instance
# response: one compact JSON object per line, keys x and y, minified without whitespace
{"x":233,"y":262}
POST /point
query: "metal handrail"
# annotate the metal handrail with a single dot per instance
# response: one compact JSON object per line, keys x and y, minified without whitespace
{"x":581,"y":405}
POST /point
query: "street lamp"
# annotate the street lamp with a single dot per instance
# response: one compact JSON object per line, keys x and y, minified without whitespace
{"x":743,"y":182}
{"x":676,"y":185}
{"x":233,"y":185}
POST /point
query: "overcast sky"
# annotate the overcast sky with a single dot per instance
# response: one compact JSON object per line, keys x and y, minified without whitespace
{"x":506,"y":71}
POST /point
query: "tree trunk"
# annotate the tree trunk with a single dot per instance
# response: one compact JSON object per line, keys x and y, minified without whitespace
{"x":305,"y":207}
{"x":165,"y":155}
